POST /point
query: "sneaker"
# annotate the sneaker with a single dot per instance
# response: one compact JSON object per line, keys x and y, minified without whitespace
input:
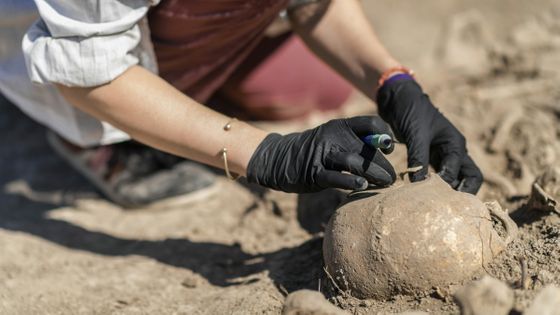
{"x":133,"y":175}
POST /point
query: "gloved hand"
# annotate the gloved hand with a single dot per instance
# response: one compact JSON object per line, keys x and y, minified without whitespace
{"x":429,"y":136}
{"x":312,"y":160}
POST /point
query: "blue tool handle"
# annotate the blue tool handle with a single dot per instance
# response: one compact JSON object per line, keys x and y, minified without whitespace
{"x":379,"y":141}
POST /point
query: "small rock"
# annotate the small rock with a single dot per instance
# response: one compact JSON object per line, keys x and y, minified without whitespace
{"x":307,"y":302}
{"x":545,"y":194}
{"x":440,"y":293}
{"x":406,"y":313}
{"x":190,"y":282}
{"x":547,"y":302}
{"x":485,"y":296}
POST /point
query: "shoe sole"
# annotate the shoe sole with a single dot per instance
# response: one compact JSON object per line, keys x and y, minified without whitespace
{"x":171,"y":202}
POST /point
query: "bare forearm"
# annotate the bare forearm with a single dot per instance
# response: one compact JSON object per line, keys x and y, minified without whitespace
{"x":339,"y":32}
{"x":155,"y":113}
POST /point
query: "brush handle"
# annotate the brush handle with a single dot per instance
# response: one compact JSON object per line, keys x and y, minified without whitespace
{"x":378,"y":141}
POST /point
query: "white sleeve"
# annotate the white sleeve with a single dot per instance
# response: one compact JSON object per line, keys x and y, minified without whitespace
{"x":84,"y":43}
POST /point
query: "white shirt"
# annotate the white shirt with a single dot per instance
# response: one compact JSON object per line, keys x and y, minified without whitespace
{"x":75,"y":43}
{"x":81,"y":43}
{"x":88,"y":42}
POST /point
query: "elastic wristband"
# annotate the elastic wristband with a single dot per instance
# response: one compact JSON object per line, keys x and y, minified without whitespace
{"x":388,"y":74}
{"x":398,"y":77}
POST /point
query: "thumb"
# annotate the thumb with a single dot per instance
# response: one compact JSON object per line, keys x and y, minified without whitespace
{"x":365,"y":125}
{"x":335,"y":179}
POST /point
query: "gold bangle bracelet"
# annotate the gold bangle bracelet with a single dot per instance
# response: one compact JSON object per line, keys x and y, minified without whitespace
{"x":227,"y":126}
{"x":229,"y":175}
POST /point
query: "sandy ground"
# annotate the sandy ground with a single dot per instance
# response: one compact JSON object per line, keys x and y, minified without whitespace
{"x":65,"y":250}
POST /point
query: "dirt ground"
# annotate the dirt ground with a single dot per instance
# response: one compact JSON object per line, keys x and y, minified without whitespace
{"x":493,"y":67}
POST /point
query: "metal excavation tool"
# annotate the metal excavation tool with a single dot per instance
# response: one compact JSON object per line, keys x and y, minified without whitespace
{"x":379,"y":141}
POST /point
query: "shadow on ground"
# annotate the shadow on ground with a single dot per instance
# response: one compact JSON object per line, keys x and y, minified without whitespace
{"x":34,"y":180}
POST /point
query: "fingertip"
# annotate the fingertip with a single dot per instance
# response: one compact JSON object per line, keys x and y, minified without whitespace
{"x":386,"y":166}
{"x":470,"y":185}
{"x":472,"y":177}
{"x":449,"y":169}
{"x":336,"y":179}
{"x":361,"y":183}
{"x":363,"y":125}
{"x":380,"y":178}
{"x":418,"y":175}
{"x":393,"y":174}
{"x":448,"y":178}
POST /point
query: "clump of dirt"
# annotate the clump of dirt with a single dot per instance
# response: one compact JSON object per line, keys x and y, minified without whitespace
{"x":532,"y":259}
{"x":411,"y":238}
{"x":546,"y":302}
{"x":492,"y":296}
{"x":485,"y":296}
{"x":546,"y":191}
{"x":308,"y":302}
{"x":528,"y":146}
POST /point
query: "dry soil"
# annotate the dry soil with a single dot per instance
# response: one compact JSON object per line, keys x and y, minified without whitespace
{"x":493,"y":67}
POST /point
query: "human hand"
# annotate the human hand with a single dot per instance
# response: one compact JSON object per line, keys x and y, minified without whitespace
{"x":313,"y":160}
{"x":429,"y":136}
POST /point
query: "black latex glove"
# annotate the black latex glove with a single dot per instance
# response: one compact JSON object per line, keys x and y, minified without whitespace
{"x":429,"y":136}
{"x":313,"y":160}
